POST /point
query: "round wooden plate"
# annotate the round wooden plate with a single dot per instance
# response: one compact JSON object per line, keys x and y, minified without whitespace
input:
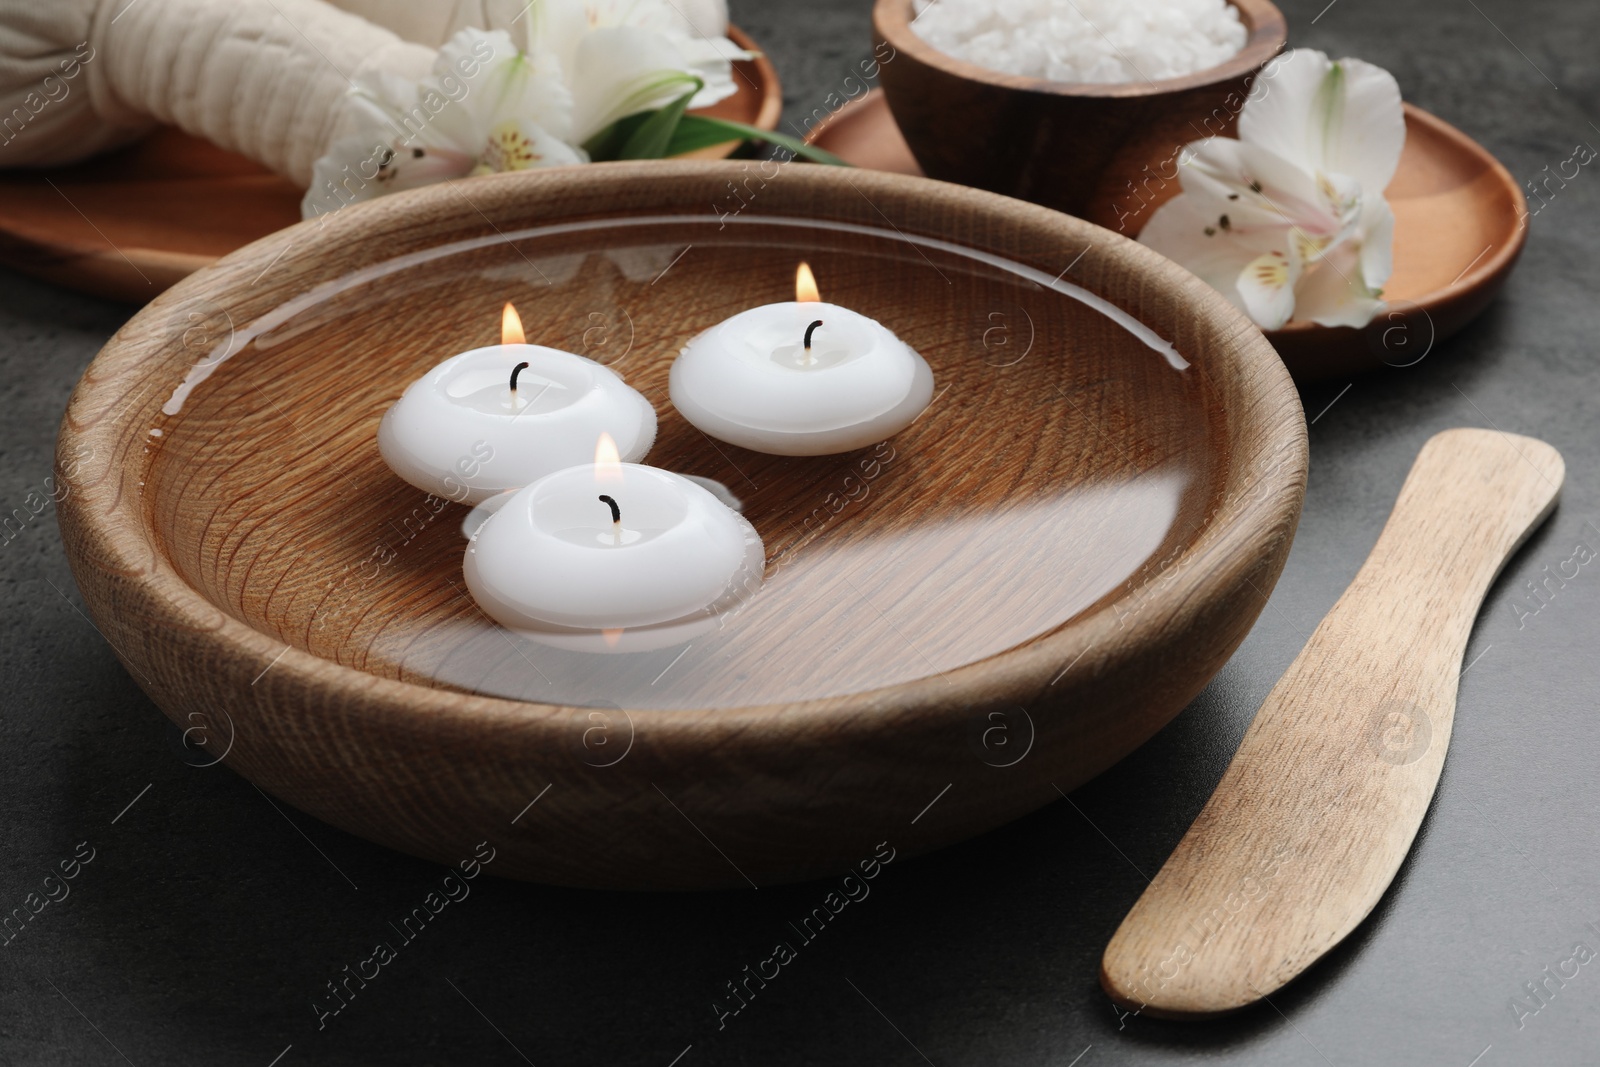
{"x":1459,"y":228}
{"x":129,"y":224}
{"x":1005,"y":598}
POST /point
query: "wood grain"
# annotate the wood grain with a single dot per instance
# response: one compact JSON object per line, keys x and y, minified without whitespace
{"x":1074,"y":537}
{"x":1322,"y":801}
{"x":1074,"y":147}
{"x":131,"y":223}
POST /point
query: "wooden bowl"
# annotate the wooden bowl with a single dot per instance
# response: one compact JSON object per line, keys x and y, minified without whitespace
{"x":1075,"y":147}
{"x":129,"y":224}
{"x":1007,"y":597}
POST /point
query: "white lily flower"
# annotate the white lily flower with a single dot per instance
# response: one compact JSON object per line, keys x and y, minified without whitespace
{"x":486,"y":107}
{"x":627,"y":56}
{"x":1289,"y":221}
{"x":621,"y":70}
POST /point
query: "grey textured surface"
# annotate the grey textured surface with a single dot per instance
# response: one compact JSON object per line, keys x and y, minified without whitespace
{"x":208,"y":922}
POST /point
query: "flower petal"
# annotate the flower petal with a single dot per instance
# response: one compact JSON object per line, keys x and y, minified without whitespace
{"x":1333,"y":294}
{"x":358,"y":168}
{"x":1377,"y":244}
{"x":711,"y":59}
{"x":1257,"y":188}
{"x":416,"y":166}
{"x":522,"y":145}
{"x":1178,"y":230}
{"x":1277,"y":113}
{"x":620,"y":70}
{"x":1332,"y":117}
{"x":658,"y":15}
{"x":553,"y":28}
{"x":706,"y":18}
{"x":1267,"y":287}
{"x":557,"y":26}
{"x":376,"y":106}
{"x":1367,"y":144}
{"x":512,"y":85}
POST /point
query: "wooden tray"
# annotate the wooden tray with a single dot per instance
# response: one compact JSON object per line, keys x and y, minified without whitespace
{"x":1459,"y":228}
{"x":129,"y":224}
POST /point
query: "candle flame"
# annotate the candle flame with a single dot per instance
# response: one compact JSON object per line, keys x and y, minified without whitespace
{"x":607,"y":461}
{"x":511,"y":327}
{"x":805,"y":285}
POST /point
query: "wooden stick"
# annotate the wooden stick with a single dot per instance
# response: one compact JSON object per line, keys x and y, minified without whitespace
{"x":1320,"y":805}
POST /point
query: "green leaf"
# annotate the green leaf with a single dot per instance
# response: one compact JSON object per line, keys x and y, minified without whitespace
{"x":607,"y":144}
{"x":694,"y":132}
{"x":654,"y":134}
{"x":636,"y":135}
{"x":613,"y":142}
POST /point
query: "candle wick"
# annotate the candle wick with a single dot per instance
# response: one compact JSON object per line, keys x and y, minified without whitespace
{"x":616,"y":519}
{"x":518,"y":369}
{"x":811,"y":330}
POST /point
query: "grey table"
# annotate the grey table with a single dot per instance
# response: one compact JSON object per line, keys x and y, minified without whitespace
{"x":209,"y":919}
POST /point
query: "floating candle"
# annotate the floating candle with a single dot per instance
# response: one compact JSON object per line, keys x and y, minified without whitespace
{"x":612,"y":556}
{"x":504,"y":416}
{"x":800,"y":378}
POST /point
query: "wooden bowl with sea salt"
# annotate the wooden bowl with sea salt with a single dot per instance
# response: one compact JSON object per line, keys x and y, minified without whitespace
{"x":1003,"y":599}
{"x":1083,"y":148}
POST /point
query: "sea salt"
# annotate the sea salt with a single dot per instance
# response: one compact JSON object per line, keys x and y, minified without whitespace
{"x":1100,"y":41}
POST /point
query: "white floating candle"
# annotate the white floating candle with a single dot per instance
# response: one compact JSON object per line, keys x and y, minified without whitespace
{"x":801,"y":378}
{"x":612,"y":556}
{"x":504,"y":416}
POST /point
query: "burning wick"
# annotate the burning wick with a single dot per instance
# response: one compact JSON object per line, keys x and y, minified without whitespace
{"x":518,"y":369}
{"x":616,"y":519}
{"x":809,"y":331}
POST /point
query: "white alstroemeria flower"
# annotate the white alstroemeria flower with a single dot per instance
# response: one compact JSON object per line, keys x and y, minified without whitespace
{"x":620,"y":70}
{"x":511,"y":112}
{"x":1289,"y":221}
{"x":626,"y":56}
{"x":489,"y":106}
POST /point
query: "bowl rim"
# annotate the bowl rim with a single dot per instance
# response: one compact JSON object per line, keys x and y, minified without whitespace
{"x":1268,"y":34}
{"x":106,"y":526}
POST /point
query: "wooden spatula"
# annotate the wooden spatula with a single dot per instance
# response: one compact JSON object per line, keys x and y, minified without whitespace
{"x":1319,"y":806}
